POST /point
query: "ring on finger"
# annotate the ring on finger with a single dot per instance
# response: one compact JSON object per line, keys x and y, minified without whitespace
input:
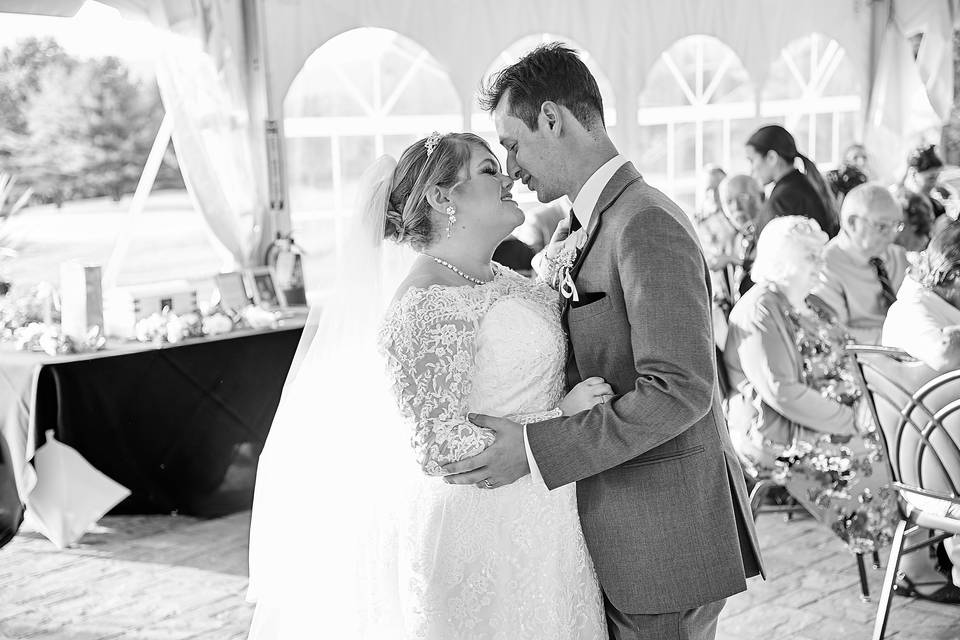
{"x":603,"y":398}
{"x":487,"y":484}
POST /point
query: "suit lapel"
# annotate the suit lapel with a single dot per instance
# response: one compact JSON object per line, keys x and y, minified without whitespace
{"x":623,"y":178}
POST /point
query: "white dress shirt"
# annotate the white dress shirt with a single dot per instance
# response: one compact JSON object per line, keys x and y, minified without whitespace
{"x":916,"y":323}
{"x":849,"y":284}
{"x":583,"y":206}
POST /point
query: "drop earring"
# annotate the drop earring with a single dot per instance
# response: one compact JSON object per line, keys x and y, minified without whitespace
{"x":451,"y":219}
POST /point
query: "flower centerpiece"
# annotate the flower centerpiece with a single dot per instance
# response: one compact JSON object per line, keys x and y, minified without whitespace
{"x":30,"y":320}
{"x":168,"y":327}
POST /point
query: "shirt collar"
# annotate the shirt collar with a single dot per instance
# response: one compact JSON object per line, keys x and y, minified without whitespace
{"x":586,"y":200}
{"x":846,"y":243}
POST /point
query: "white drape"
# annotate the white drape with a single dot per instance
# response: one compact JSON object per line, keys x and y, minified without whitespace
{"x":900,"y":115}
{"x":932,"y":18}
{"x":201,"y":74}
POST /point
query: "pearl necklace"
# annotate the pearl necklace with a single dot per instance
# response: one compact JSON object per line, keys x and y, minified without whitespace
{"x":455,"y":270}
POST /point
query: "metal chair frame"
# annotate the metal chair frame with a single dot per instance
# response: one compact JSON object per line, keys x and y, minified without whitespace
{"x":915,"y":417}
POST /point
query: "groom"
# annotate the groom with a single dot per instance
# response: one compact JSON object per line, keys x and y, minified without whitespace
{"x":661,"y":495}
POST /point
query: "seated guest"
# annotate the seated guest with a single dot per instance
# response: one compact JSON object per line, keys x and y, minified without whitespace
{"x":718,"y":239}
{"x":856,"y":156}
{"x":713,"y":175}
{"x":917,"y":222}
{"x":716,"y":234}
{"x":923,"y":172}
{"x":741,"y":201}
{"x":862,"y":267}
{"x":772,"y":153}
{"x":795,"y":393}
{"x":843,"y":180}
{"x":925,"y":322}
{"x":925,"y":319}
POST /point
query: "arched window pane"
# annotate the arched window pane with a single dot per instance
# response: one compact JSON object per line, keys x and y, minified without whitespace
{"x":814,"y":91}
{"x":696,"y":101}
{"x":363,"y":93}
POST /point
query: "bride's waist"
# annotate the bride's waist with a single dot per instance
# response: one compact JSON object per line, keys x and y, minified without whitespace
{"x":508,"y":404}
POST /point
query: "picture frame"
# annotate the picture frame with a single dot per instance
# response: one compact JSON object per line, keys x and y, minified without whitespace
{"x":262,"y":288}
{"x":233,"y":290}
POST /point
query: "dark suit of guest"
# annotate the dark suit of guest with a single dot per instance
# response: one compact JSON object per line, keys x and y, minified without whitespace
{"x":794,"y":195}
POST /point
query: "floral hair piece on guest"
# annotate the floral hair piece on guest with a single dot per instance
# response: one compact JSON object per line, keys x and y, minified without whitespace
{"x":432,"y":142}
{"x":924,"y":158}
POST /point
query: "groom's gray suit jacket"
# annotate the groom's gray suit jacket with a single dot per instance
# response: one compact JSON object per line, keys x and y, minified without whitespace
{"x":661,"y":494}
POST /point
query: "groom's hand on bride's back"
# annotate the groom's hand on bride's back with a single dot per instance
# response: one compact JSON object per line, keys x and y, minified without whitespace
{"x":502,"y":463}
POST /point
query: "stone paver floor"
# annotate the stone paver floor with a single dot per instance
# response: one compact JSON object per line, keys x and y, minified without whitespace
{"x":179,"y":578}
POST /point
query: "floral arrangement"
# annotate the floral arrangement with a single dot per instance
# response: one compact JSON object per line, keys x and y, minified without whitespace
{"x":30,"y":321}
{"x":39,"y":304}
{"x":50,"y":339}
{"x":167,"y":327}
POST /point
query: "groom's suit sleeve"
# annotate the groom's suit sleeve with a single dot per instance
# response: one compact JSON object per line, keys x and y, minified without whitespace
{"x":662,"y":274}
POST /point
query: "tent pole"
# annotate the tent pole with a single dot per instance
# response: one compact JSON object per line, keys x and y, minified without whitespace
{"x":880,"y":13}
{"x":268,"y":118}
{"x":147,"y":177}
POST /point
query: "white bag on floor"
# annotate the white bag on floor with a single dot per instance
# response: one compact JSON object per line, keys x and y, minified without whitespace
{"x":70,"y":495}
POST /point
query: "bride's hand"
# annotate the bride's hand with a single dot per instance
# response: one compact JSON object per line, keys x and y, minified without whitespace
{"x":585,"y":395}
{"x":562,"y":232}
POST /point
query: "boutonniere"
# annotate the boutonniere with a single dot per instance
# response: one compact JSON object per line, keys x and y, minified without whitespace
{"x":559,"y":260}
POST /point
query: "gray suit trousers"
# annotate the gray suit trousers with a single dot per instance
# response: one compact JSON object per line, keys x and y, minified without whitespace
{"x":693,"y":624}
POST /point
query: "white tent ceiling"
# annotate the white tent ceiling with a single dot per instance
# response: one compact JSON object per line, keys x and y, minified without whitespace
{"x":272,"y":39}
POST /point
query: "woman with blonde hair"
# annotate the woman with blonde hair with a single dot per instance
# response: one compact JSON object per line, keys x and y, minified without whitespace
{"x":792,"y":416}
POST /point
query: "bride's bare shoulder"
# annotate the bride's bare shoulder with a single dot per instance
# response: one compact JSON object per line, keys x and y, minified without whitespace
{"x":424,"y":275}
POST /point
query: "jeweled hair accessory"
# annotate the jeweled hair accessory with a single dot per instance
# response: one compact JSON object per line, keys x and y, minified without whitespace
{"x":432,"y":142}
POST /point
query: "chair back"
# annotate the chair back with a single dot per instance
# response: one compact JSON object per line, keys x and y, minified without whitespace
{"x":917,"y":411}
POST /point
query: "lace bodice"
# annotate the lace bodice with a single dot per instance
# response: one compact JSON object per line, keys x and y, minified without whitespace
{"x":495,"y":348}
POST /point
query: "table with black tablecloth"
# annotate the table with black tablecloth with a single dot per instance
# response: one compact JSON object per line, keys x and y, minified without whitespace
{"x":181,"y":426}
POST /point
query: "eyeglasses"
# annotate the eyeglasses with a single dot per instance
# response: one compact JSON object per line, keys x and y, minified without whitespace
{"x":882,"y":227}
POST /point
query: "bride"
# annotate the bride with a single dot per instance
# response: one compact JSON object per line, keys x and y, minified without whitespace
{"x":354,"y":532}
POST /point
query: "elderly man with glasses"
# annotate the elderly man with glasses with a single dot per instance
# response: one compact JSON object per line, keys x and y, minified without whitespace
{"x":863,"y":269}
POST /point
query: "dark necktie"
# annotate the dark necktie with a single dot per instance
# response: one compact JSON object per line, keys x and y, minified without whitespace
{"x":574,"y":222}
{"x":887,"y":294}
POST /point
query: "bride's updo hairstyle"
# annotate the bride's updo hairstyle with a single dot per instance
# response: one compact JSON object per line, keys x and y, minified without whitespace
{"x":408,"y":211}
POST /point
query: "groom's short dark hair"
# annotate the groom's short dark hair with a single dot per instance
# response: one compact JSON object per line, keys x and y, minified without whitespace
{"x":552,"y":72}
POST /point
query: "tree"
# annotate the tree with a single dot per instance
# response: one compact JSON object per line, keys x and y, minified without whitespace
{"x":56,"y":149}
{"x":119,"y":126}
{"x":77,"y":128}
{"x":21,"y":71}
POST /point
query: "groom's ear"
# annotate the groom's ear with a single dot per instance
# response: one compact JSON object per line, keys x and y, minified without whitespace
{"x":550,"y":118}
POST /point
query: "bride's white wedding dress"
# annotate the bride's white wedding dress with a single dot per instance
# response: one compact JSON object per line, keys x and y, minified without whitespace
{"x":349,"y":537}
{"x":505,"y":563}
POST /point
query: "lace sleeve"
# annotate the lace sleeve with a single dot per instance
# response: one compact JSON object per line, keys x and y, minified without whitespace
{"x":430,"y":342}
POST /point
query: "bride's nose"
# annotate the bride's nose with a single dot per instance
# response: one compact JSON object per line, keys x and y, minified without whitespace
{"x":507,"y":182}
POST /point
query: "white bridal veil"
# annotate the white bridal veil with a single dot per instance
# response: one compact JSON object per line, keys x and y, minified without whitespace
{"x":337,"y":462}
